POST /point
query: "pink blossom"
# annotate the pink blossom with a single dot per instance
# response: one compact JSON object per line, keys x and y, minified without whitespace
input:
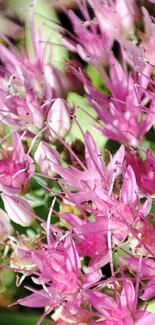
{"x":115,"y":16}
{"x":147,"y":265}
{"x":87,"y":41}
{"x":148,"y":40}
{"x":148,"y":290}
{"x":96,"y":184}
{"x":107,"y":221}
{"x":30,"y":83}
{"x":95,"y":174}
{"x":145,"y":234}
{"x":93,"y":39}
{"x":16,"y":169}
{"x":124,"y":114}
{"x":19,"y":112}
{"x":144,"y":170}
{"x":122,"y":312}
{"x":88,"y":241}
{"x":60,"y":275}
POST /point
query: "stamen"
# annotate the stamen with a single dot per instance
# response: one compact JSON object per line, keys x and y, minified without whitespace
{"x":18,"y":173}
{"x":111,"y":257}
{"x":49,"y":222}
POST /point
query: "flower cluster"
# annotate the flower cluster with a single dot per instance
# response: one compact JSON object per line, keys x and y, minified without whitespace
{"x":98,"y":206}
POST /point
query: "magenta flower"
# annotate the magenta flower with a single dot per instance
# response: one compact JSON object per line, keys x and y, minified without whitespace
{"x":115,"y":17}
{"x":147,"y":265}
{"x":89,"y":242}
{"x":93,"y":39}
{"x":148,"y":40}
{"x":125,"y":117}
{"x":16,"y":168}
{"x":30,"y":84}
{"x":88,"y":42}
{"x":148,"y":290}
{"x":144,"y":170}
{"x":95,"y":174}
{"x":103,"y":219}
{"x":21,"y":112}
{"x":60,"y":275}
{"x":123,"y":312}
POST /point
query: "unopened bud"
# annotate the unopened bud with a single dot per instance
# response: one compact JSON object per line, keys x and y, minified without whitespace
{"x":18,"y":210}
{"x":58,"y":118}
{"x":46,"y":157}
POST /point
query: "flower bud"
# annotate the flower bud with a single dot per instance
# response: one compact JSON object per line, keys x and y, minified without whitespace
{"x":46,"y":157}
{"x":58,"y":118}
{"x":18,"y":210}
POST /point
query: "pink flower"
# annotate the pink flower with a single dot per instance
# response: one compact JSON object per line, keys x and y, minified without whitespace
{"x":96,"y":184}
{"x":115,"y":17}
{"x":147,"y":265}
{"x":122,"y":312}
{"x":148,"y":290}
{"x":16,"y":169}
{"x":148,"y":40}
{"x":30,"y":83}
{"x":60,"y":275}
{"x":95,"y":174}
{"x":144,"y":170}
{"x":88,"y":241}
{"x":89,"y":41}
{"x":21,"y":112}
{"x":145,"y":234}
{"x":124,"y":113}
{"x":124,"y":212}
{"x":93,"y":39}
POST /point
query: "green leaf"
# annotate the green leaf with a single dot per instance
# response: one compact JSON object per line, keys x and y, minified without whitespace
{"x":43,"y":9}
{"x":145,"y":144}
{"x":151,"y":135}
{"x":18,"y":319}
{"x":7,"y":277}
{"x":59,"y":53}
{"x":96,"y":79}
{"x":151,"y":306}
{"x":94,"y":76}
{"x":35,"y":200}
{"x":120,"y":253}
{"x":84,"y":120}
{"x":112,"y":146}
